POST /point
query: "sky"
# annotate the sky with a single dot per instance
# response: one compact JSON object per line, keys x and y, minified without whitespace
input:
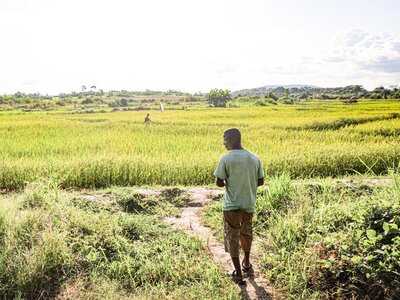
{"x":56,"y":46}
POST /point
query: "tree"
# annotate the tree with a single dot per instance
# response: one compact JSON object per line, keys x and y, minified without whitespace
{"x":286,"y":92}
{"x":381,"y":90}
{"x":358,"y":88}
{"x":218,"y":97}
{"x":272,"y":96}
{"x":396,"y":93}
{"x":123,"y":102}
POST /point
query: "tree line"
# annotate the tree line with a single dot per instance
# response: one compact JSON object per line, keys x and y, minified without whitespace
{"x":215,"y":97}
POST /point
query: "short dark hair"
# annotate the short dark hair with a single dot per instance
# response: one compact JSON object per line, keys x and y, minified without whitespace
{"x":233,"y":133}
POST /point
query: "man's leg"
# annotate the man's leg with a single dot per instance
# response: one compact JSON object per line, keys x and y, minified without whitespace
{"x":232,"y":237}
{"x":246,"y":236}
{"x":236,"y":264}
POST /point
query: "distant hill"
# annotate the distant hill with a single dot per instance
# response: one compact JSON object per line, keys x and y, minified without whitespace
{"x":289,"y":86}
{"x":301,"y":91}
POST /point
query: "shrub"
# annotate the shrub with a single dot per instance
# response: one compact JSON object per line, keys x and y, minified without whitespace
{"x":260,"y":102}
{"x":271,"y":95}
{"x":136,"y":203}
{"x":375,"y":96}
{"x":36,"y":195}
{"x":123,"y":102}
{"x":270,"y":100}
{"x":87,"y":101}
{"x":112,"y":104}
{"x":231,"y":104}
{"x":286,"y":100}
{"x":118,"y":103}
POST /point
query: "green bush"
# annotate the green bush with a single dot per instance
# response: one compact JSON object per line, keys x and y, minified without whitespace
{"x":231,"y":104}
{"x":375,"y":96}
{"x":123,"y":102}
{"x":270,"y":101}
{"x":88,"y":101}
{"x":37,"y":195}
{"x":265,"y":102}
{"x":286,"y":100}
{"x":136,"y":203}
{"x":260,"y":102}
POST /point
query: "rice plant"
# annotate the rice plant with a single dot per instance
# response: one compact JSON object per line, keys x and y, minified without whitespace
{"x":183,"y":147}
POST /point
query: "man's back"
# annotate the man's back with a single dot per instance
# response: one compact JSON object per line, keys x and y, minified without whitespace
{"x":241,"y":170}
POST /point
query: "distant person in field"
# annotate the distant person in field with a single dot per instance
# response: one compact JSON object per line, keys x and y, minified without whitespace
{"x":240,"y":172}
{"x":147,"y":120}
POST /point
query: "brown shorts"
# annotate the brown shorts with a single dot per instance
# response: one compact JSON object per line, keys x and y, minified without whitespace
{"x":238,"y":226}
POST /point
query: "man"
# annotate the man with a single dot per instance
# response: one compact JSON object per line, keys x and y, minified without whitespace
{"x":147,"y":120}
{"x":240,"y":172}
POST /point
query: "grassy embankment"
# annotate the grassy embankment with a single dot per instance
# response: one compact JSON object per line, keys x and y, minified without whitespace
{"x":183,"y":147}
{"x":327,"y":241}
{"x":113,"y":246}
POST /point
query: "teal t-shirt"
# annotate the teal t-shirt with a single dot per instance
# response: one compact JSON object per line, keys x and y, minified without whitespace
{"x":241,"y":170}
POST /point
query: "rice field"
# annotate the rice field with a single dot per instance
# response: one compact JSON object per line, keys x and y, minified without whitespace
{"x":182,"y":147}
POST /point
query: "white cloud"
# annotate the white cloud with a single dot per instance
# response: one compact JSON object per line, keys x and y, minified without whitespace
{"x":353,"y":57}
{"x":375,"y":53}
{"x":351,"y":38}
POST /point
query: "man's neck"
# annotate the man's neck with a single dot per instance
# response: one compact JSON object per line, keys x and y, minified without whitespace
{"x":237,"y":147}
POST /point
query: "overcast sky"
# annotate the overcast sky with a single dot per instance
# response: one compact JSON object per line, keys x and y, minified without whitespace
{"x":53,"y":46}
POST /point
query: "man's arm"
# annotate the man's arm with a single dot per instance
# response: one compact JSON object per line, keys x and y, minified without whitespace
{"x":260,"y":182}
{"x":219,"y":173}
{"x":220,"y":182}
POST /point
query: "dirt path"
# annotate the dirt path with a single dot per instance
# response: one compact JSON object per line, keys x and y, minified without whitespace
{"x":190,"y":222}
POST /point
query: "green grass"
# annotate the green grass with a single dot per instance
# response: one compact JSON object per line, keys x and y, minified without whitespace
{"x":183,"y":147}
{"x":112,"y":246}
{"x":327,"y":241}
{"x":318,"y":241}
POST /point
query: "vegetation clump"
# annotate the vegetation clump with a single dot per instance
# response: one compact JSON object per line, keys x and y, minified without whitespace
{"x":343,"y":122}
{"x":52,"y":246}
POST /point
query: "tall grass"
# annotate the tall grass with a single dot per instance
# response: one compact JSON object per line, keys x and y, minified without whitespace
{"x":183,"y":147}
{"x":112,"y":246}
{"x":328,"y":241}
